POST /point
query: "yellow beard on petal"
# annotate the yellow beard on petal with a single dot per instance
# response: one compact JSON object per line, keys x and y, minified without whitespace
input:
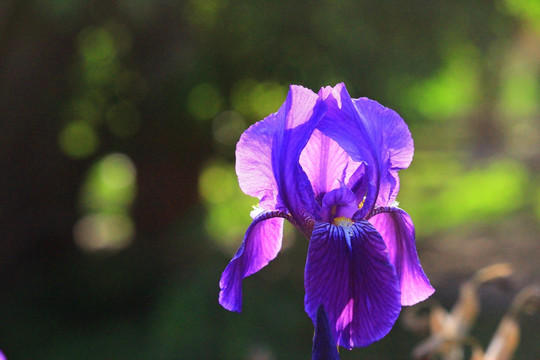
{"x":342,"y":221}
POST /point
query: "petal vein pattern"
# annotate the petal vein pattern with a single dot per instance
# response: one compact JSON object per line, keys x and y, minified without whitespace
{"x":369,"y":133}
{"x":357,"y":285}
{"x":254,"y":162}
{"x":326,"y":164}
{"x":397,"y":231}
{"x":394,"y":142}
{"x":261,"y":244}
{"x":297,"y":119}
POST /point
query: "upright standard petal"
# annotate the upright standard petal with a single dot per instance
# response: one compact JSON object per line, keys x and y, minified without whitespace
{"x":254,"y":162}
{"x":397,"y":231}
{"x":267,"y":155}
{"x":326,"y":164}
{"x":369,"y":133}
{"x":297,"y":119}
{"x":393,"y":141}
{"x":261,"y":244}
{"x":324,"y":345}
{"x":349,"y":273}
{"x":343,"y":124}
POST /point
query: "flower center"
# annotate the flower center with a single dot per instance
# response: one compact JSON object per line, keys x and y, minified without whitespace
{"x":342,"y":221}
{"x":339,"y":205}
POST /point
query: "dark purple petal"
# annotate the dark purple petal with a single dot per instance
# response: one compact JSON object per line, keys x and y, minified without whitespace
{"x":324,"y":345}
{"x":369,"y":133}
{"x":394,"y":143}
{"x":359,"y":183}
{"x":297,"y":119}
{"x":397,"y":231}
{"x":356,"y":284}
{"x":261,"y":244}
{"x":326,"y":164}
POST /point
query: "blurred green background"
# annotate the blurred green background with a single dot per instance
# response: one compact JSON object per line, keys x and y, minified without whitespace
{"x":119,"y":205}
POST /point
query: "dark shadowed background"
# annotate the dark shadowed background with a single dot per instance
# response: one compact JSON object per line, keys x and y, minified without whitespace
{"x":119,"y":205}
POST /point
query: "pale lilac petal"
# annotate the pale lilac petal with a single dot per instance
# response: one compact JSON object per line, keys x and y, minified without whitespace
{"x":254,"y":162}
{"x":324,"y":345}
{"x":261,"y":244}
{"x":326,"y":164}
{"x":297,"y":119}
{"x":397,"y":231}
{"x":343,"y":124}
{"x":356,"y":284}
{"x":369,"y":133}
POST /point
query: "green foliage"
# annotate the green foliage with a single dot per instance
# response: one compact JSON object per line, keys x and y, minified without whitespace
{"x":228,"y":207}
{"x":440,"y":193}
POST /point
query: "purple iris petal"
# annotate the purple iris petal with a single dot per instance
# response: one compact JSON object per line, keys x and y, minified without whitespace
{"x":356,"y":284}
{"x":339,"y":202}
{"x":267,"y":155}
{"x":254,"y":162}
{"x":369,"y":133}
{"x":326,"y":164}
{"x":296,"y":120}
{"x":394,"y":144}
{"x":261,"y":244}
{"x":359,"y":183}
{"x":397,"y":231}
{"x":343,"y":124}
{"x":324,"y":345}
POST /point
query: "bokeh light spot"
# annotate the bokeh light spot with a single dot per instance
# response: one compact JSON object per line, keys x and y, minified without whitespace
{"x":110,"y":186}
{"x":97,"y":45}
{"x":228,"y":126}
{"x":453,"y":91}
{"x":204,"y":101}
{"x":526,"y":9}
{"x":257,"y":100}
{"x":97,"y":232}
{"x":217,"y":183}
{"x":228,"y":207}
{"x":99,"y":51}
{"x":117,"y":171}
{"x":446,"y":195}
{"x":520,"y":91}
{"x":205,"y":12}
{"x":78,"y":139}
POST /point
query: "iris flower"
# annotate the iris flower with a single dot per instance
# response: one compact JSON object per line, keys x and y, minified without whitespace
{"x":329,"y":164}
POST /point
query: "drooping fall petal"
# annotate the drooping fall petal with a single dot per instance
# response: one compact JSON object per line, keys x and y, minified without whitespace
{"x":261,"y":244}
{"x":397,"y":231}
{"x":349,"y":273}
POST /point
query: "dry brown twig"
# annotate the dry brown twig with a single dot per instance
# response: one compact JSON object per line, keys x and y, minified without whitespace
{"x":450,"y":330}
